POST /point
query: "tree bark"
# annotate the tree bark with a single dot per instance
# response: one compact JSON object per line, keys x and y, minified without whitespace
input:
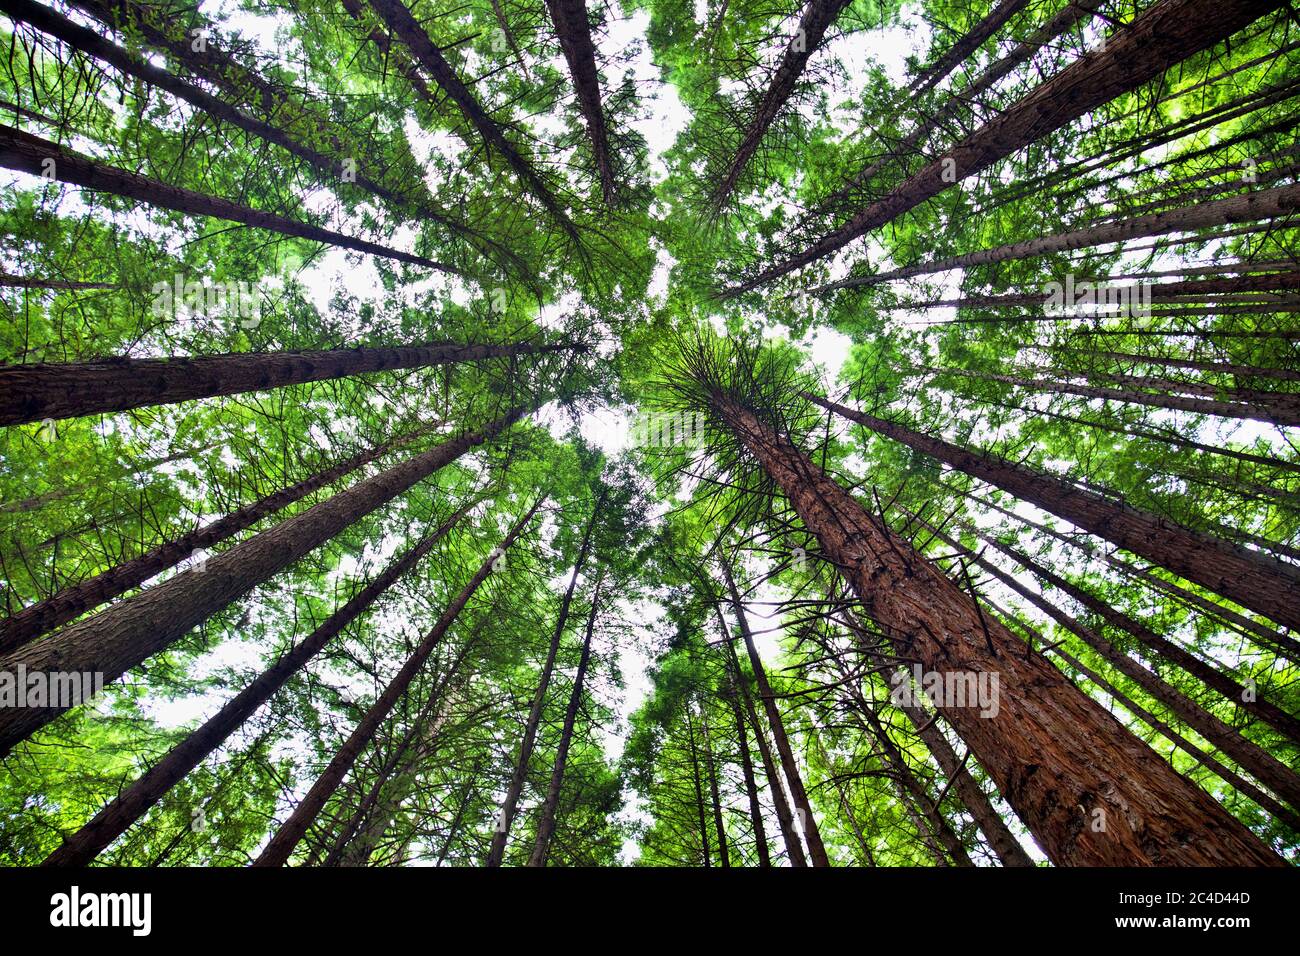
{"x":39,"y":390}
{"x":71,"y":602}
{"x":966,"y":45}
{"x":27,"y":153}
{"x":817,"y":18}
{"x":723,"y":856}
{"x":574,"y":31}
{"x":291,"y":831}
{"x":122,"y":636}
{"x":1054,"y":753}
{"x":1252,"y":580}
{"x":751,"y":785}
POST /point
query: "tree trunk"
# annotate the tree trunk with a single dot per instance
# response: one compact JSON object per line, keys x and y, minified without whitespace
{"x":816,"y":850}
{"x":406,"y":28}
{"x":1210,"y":676}
{"x":287,"y":837}
{"x":784,"y":818}
{"x":574,"y":31}
{"x":39,"y":390}
{"x":122,"y":636}
{"x":966,"y":45}
{"x":71,"y":602}
{"x":1271,"y":772}
{"x":501,"y":834}
{"x":1252,"y":580}
{"x":546,"y":818}
{"x":817,"y":18}
{"x":699,"y":789}
{"x":1236,"y":370}
{"x":723,"y":856}
{"x":747,"y":766}
{"x":1249,"y":207}
{"x":29,"y":154}
{"x":1054,"y":753}
{"x":133,"y":802}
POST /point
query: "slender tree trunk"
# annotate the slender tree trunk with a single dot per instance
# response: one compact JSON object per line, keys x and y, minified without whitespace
{"x":1250,"y":207}
{"x":1236,"y":370}
{"x":966,"y":45}
{"x":122,"y":636}
{"x":501,"y":834}
{"x":817,"y":18}
{"x":699,"y":789}
{"x":24,"y":282}
{"x":291,"y":832}
{"x":546,"y":818}
{"x":846,"y":807}
{"x":784,"y":818}
{"x":574,"y":31}
{"x":39,"y":390}
{"x":714,"y":796}
{"x":1260,"y":583}
{"x":406,"y":28}
{"x":816,"y":850}
{"x":71,"y":602}
{"x":1053,"y":752}
{"x":133,"y":802}
{"x":747,"y":767}
{"x":31,"y":154}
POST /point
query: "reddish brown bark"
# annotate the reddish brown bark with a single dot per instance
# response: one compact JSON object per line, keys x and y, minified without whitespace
{"x":126,"y":634}
{"x":1054,"y":753}
{"x":291,"y":831}
{"x":32,"y":392}
{"x":1252,"y":580}
{"x":967,"y":44}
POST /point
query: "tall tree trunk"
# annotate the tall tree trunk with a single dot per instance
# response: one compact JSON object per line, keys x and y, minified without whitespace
{"x":39,"y":390}
{"x":817,"y":18}
{"x":1236,"y":370}
{"x":747,"y":767}
{"x":846,"y":807}
{"x":1271,"y":772}
{"x":133,"y":802}
{"x":699,"y":789}
{"x":31,"y":154}
{"x":1249,"y":207}
{"x":546,"y":818}
{"x":967,"y":44}
{"x":501,"y":834}
{"x":1161,"y":37}
{"x":406,"y":28}
{"x":71,"y":602}
{"x":1053,"y":752}
{"x":1252,"y":580}
{"x":574,"y":31}
{"x":1161,"y":646}
{"x":25,"y":282}
{"x":291,"y":831}
{"x":816,"y":850}
{"x":784,"y":818}
{"x":714,"y":797}
{"x":122,"y":636}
